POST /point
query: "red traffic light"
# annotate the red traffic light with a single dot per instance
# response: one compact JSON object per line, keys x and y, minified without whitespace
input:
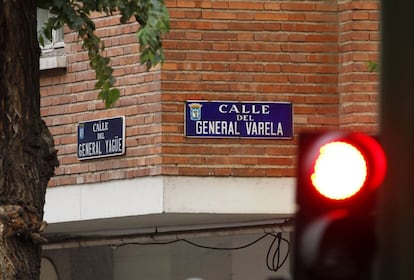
{"x":341,"y":164}
{"x":338,"y":176}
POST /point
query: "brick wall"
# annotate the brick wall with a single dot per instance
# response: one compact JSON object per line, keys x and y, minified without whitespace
{"x":266,"y":51}
{"x":69,"y":97}
{"x":358,"y":44}
{"x":312,"y":54}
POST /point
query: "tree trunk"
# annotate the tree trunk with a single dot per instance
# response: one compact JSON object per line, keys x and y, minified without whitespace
{"x":27,"y":154}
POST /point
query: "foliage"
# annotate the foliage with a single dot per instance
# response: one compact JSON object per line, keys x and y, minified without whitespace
{"x":152,"y":15}
{"x":372,"y":66}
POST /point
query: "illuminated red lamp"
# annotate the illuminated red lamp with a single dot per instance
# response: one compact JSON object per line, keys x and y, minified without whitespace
{"x":340,"y":165}
{"x":340,"y":170}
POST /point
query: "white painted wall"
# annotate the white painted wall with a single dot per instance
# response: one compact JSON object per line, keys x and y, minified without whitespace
{"x":180,"y":261}
{"x":170,"y":194}
{"x":177,"y":261}
{"x":171,"y":201}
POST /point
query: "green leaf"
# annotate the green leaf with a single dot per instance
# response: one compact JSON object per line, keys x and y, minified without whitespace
{"x":372,"y":66}
{"x":113,"y":96}
{"x":41,"y":40}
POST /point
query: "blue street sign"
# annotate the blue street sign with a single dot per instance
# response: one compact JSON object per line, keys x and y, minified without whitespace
{"x":226,"y":119}
{"x":101,"y":138}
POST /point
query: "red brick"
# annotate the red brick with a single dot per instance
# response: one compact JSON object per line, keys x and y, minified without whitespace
{"x":246,"y":5}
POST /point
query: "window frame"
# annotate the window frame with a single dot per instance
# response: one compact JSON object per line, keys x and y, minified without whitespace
{"x":58,"y":41}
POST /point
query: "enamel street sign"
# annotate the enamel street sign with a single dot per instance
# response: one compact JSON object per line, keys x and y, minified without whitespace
{"x":226,"y":119}
{"x":101,"y":138}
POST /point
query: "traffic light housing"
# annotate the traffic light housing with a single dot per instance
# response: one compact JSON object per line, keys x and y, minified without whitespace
{"x":338,"y":175}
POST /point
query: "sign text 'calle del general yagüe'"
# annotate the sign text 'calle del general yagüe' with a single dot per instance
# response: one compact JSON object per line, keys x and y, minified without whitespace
{"x":101,"y":138}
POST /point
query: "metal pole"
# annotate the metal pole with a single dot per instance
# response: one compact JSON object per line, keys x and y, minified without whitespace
{"x":396,"y":213}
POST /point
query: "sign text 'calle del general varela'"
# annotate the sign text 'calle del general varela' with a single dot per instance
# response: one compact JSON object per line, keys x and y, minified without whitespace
{"x":239,"y":119}
{"x":101,"y":138}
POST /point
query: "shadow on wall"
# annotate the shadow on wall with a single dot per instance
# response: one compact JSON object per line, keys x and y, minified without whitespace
{"x":272,"y":278}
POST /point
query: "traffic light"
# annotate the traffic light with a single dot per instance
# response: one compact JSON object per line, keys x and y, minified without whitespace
{"x":338,"y":175}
